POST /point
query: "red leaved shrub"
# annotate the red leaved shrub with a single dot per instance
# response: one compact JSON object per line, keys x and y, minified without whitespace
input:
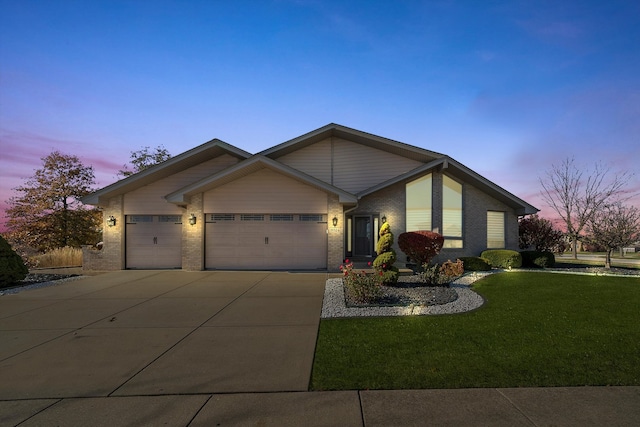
{"x":421,"y":246}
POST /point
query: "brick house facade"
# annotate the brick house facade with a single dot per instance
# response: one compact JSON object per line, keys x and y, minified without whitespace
{"x":306,"y":204}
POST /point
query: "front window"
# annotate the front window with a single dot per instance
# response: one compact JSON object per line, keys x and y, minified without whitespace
{"x":418,"y":210}
{"x":451,"y":212}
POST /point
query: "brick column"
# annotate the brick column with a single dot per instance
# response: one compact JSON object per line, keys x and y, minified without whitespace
{"x":335,"y":235}
{"x":111,"y":257}
{"x":193,"y":235}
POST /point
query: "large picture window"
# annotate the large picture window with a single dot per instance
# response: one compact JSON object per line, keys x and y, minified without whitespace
{"x":451,"y":212}
{"x":495,"y":230}
{"x":418,"y":210}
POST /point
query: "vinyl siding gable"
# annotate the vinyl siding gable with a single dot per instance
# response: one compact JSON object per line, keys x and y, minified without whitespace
{"x":265,"y":191}
{"x":314,"y":160}
{"x":357,"y":167}
{"x":150,"y":198}
{"x":348,"y":165}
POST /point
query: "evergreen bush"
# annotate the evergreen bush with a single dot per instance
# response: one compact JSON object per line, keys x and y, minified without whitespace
{"x":540,"y":259}
{"x":12,"y":267}
{"x":502,"y":258}
{"x":383,"y":264}
{"x":475,"y":263}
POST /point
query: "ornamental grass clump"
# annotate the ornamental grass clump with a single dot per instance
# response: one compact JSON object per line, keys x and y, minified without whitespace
{"x":360,"y":286}
{"x":441,"y":274}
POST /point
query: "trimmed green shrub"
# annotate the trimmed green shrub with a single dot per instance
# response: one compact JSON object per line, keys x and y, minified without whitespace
{"x":12,"y":268}
{"x":538,"y":259}
{"x":502,"y":258}
{"x":475,"y":263}
{"x":383,"y":264}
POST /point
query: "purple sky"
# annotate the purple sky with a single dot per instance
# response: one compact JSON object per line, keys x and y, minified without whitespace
{"x":507,"y":88}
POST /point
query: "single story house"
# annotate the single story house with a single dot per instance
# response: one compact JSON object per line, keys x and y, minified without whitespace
{"x":306,"y":204}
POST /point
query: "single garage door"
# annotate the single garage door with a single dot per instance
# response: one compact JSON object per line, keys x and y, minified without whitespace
{"x":154,"y":241}
{"x":266,"y":241}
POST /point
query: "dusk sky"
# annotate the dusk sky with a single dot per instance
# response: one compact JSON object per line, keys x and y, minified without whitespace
{"x":505,"y":87}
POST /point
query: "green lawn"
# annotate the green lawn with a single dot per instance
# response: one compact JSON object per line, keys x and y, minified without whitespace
{"x":535,"y":329}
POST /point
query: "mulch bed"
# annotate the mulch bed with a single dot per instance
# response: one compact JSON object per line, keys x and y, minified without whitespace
{"x":408,"y":291}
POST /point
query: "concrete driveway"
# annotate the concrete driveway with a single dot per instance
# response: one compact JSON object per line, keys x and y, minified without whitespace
{"x":145,"y":335}
{"x":174,"y":348}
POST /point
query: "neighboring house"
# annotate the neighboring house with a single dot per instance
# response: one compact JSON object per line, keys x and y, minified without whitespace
{"x":306,"y":204}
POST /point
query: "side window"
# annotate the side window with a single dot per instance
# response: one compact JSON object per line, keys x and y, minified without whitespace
{"x":451,"y":213}
{"x":495,"y":230}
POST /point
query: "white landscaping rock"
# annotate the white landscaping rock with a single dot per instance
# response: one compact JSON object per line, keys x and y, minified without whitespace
{"x":334,"y":304}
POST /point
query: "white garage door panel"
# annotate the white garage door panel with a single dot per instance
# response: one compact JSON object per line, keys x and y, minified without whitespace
{"x":154,"y":241}
{"x":270,"y":244}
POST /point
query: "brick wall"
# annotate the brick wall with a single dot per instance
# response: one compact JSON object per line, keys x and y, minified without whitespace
{"x":391,"y":202}
{"x":111,"y":257}
{"x":475,"y":205}
{"x":335,"y":235}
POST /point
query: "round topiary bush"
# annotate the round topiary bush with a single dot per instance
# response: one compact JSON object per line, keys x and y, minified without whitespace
{"x":475,"y":263}
{"x":502,"y":258}
{"x":12,"y":268}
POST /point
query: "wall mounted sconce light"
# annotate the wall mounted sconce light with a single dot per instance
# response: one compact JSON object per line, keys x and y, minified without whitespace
{"x":192,"y":219}
{"x":111,"y":221}
{"x":384,"y":219}
{"x":335,"y":221}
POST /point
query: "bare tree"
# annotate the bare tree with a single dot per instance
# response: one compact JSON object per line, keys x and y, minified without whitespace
{"x":577,"y":195}
{"x":614,"y":226}
{"x":145,"y":158}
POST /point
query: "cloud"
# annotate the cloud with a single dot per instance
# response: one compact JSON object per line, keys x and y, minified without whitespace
{"x":22,"y":153}
{"x":486,"y":55}
{"x":555,"y":30}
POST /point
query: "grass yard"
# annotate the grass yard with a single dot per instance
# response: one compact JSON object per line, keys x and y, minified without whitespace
{"x":535,"y":329}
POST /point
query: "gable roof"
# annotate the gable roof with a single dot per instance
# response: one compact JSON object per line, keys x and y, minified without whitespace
{"x":364,"y":138}
{"x":268,"y":159}
{"x":457,"y":169}
{"x":207,"y":151}
{"x":248,"y":167}
{"x":431,"y":160}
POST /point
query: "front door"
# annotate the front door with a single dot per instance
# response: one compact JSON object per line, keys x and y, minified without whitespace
{"x":362,"y":236}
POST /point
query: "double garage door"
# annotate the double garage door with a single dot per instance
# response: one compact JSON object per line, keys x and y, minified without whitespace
{"x":265,"y":241}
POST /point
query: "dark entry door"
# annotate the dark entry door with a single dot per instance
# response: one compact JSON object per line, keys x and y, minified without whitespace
{"x":362,"y":236}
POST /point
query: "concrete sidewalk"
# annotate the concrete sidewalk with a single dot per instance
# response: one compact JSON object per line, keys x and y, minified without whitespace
{"x":224,"y":348}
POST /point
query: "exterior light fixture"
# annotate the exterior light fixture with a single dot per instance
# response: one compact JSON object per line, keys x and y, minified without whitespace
{"x":335,"y":221}
{"x":384,"y":219}
{"x":192,"y":219}
{"x":111,"y":221}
